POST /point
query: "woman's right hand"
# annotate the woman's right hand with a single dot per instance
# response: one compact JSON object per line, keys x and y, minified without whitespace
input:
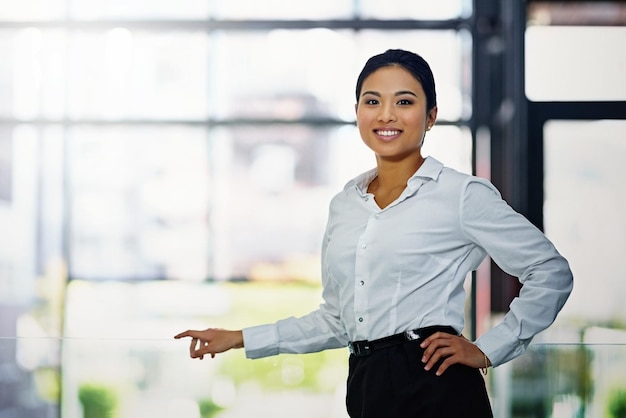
{"x":212,"y":341}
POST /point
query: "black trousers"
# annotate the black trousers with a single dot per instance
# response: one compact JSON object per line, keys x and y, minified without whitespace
{"x":392,"y":383}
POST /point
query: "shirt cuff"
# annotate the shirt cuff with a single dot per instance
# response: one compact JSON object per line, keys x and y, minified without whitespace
{"x":260,"y":341}
{"x":500,"y":345}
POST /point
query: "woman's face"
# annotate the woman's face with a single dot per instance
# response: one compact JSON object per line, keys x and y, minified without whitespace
{"x":391,"y":113}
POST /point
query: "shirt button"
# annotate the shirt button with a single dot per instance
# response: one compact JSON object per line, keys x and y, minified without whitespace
{"x":361,"y":282}
{"x":360,"y":319}
{"x":364,"y":246}
{"x":367,"y":198}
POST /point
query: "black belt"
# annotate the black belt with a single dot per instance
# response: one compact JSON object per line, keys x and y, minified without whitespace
{"x":365,"y":347}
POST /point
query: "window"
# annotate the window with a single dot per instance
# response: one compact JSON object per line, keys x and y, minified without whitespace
{"x":570,"y":63}
{"x":179,"y":159}
{"x":148,"y":108}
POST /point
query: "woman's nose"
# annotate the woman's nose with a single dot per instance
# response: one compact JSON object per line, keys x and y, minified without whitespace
{"x":386,"y":114}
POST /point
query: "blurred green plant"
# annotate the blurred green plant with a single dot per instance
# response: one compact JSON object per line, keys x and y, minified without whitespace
{"x":208,"y":408}
{"x":98,"y":401}
{"x":48,"y":383}
{"x":317,"y":372}
{"x":254,"y":303}
{"x":616,"y":406}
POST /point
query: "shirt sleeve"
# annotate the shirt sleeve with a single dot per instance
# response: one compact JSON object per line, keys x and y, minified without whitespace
{"x":316,"y":331}
{"x":523,"y":251}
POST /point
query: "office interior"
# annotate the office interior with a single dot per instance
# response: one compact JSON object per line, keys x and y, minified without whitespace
{"x":169,"y":165}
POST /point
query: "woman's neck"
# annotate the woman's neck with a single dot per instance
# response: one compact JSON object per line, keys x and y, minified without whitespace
{"x":393,"y":174}
{"x":391,"y":180}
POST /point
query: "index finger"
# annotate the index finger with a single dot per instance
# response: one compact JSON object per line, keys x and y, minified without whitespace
{"x":187,"y":333}
{"x":433,"y":337}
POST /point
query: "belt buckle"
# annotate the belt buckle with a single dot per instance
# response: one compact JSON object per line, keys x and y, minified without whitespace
{"x":411,"y":335}
{"x":361,"y":348}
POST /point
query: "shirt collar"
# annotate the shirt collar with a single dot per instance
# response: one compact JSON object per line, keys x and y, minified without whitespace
{"x":429,"y":170}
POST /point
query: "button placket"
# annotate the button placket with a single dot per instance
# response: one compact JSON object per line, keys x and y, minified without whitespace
{"x":362,"y":269}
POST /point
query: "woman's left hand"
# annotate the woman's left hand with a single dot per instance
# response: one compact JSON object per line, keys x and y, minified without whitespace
{"x":452,"y":349}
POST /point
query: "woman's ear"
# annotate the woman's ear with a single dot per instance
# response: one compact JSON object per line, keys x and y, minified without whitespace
{"x":432,"y":118}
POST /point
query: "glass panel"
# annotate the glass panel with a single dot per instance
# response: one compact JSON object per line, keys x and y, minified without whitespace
{"x":319,"y":79}
{"x":279,"y":9}
{"x":584,"y":213}
{"x":52,"y":196}
{"x":447,"y":53}
{"x":6,"y":165}
{"x":575,"y":63}
{"x":286,"y":74}
{"x":273,"y":187}
{"x":124,"y":74}
{"x":31,"y":210}
{"x":7,"y":46}
{"x":139,"y":9}
{"x":415,"y":9}
{"x":151,"y":375}
{"x":19,"y":217}
{"x":140,"y":200}
{"x":32,"y":10}
{"x":153,"y":364}
{"x":33,"y":79}
{"x":563,"y":380}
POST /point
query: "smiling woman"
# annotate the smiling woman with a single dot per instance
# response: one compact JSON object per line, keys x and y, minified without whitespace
{"x":392,"y":114}
{"x":399,"y":243}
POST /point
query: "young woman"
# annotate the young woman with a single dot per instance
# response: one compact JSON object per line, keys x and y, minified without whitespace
{"x":400,"y":241}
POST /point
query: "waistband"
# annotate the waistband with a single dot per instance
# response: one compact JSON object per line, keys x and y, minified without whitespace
{"x":365,"y":347}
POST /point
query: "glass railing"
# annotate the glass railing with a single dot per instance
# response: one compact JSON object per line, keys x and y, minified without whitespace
{"x":156,"y":378}
{"x":562,"y":381}
{"x":131,"y":378}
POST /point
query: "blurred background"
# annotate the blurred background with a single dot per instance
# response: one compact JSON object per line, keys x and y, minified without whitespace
{"x":169,"y":165}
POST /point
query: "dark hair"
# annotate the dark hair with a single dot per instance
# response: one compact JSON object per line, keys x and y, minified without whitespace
{"x":410,"y":61}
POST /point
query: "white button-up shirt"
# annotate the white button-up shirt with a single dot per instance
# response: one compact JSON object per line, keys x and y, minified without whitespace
{"x":386,"y":271}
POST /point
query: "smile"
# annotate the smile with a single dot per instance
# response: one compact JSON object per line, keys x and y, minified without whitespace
{"x":388,"y":132}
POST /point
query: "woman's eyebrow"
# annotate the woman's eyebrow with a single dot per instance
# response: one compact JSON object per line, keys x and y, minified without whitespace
{"x":399,"y":93}
{"x":373,"y":93}
{"x":403,"y":92}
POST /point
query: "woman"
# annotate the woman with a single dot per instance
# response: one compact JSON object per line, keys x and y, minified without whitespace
{"x":399,"y":244}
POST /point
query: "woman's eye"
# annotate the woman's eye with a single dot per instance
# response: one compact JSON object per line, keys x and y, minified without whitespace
{"x":371,"y":101}
{"x":405,"y":102}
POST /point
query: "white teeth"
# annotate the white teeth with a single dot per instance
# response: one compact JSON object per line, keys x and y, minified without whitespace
{"x":388,"y":133}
